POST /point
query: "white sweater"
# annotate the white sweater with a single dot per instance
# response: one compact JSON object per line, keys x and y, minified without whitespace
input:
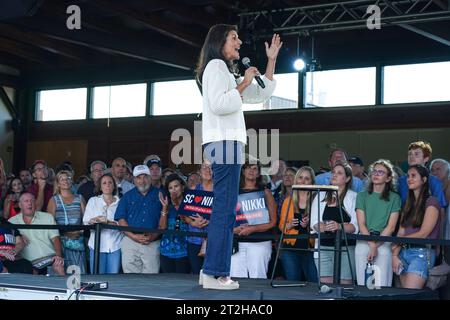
{"x":223,"y":118}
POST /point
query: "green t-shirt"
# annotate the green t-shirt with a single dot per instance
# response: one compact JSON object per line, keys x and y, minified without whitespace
{"x":377,"y":211}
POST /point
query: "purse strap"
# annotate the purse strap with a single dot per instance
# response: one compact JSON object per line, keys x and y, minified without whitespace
{"x":65,"y":211}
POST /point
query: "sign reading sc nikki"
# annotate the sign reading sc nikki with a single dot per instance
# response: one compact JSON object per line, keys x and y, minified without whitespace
{"x":197,"y":201}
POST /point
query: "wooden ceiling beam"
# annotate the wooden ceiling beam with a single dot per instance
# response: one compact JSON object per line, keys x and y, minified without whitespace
{"x":152,"y":21}
{"x":20,"y":50}
{"x":202,"y":18}
{"x":105,"y":42}
{"x":42,"y":42}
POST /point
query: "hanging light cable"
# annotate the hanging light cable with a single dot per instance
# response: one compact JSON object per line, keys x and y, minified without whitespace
{"x":299,"y":63}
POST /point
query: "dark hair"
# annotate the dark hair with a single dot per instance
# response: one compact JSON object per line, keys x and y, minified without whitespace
{"x":98,"y":187}
{"x":414,"y":209}
{"x":212,"y":49}
{"x":65,"y":166}
{"x":259,"y":180}
{"x":336,"y":150}
{"x":348,"y":184}
{"x":25,"y":169}
{"x":173,"y":177}
{"x":10,"y":191}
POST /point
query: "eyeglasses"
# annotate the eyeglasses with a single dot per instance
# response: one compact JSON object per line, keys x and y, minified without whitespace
{"x":378,"y":172}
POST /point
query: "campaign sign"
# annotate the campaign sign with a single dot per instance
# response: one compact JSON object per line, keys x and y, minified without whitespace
{"x":197,"y":201}
{"x":252,"y":209}
{"x":7,"y":243}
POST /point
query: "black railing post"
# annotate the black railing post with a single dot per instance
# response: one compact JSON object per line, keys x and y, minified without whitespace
{"x":337,"y":258}
{"x":98,"y":233}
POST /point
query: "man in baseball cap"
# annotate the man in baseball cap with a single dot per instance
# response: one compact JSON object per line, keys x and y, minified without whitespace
{"x":140,"y":208}
{"x":140,"y":169}
{"x":153,"y":162}
{"x":357,"y":168}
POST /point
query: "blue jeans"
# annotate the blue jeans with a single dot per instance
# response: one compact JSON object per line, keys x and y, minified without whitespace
{"x":226,"y":158}
{"x":108,"y":262}
{"x":299,"y":265}
{"x":417,"y":260}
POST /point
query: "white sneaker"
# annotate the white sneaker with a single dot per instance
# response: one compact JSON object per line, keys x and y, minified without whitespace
{"x":200,"y":277}
{"x":221,"y":283}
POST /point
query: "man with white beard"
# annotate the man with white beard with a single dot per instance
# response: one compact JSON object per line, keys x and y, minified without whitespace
{"x":140,"y":207}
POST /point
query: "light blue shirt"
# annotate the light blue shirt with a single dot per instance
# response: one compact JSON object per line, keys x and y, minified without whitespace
{"x":125,"y":185}
{"x":436,"y":189}
{"x":325,"y":178}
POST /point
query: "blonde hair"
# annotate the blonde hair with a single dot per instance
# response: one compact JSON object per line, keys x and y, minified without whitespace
{"x":295,"y":197}
{"x":56,"y":189}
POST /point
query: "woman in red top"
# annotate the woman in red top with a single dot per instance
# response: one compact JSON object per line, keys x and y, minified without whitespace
{"x":11,"y":205}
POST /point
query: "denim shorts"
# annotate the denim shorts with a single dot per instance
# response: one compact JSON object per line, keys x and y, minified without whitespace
{"x":417,"y":260}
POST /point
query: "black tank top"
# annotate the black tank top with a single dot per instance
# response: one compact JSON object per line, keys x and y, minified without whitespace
{"x":332,"y":213}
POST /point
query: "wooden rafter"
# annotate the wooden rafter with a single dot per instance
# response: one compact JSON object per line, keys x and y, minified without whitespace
{"x":152,"y":21}
{"x":102,"y":41}
{"x":41,"y":42}
{"x":17,"y":49}
{"x":201,"y":18}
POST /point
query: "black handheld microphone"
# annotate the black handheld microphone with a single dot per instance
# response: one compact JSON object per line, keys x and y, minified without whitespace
{"x":246,"y":63}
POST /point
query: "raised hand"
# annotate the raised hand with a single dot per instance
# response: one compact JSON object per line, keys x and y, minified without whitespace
{"x":164,"y":201}
{"x":272,"y":51}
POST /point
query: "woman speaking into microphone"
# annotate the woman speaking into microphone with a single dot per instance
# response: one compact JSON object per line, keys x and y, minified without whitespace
{"x":224,"y":137}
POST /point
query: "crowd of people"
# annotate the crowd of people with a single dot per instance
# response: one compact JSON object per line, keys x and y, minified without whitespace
{"x":381,"y":200}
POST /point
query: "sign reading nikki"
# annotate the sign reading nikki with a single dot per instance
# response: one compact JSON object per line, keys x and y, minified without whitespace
{"x":197,"y":201}
{"x":252,"y":209}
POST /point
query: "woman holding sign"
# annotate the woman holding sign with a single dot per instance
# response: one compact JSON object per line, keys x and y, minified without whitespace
{"x":224,"y":136}
{"x":260,"y":211}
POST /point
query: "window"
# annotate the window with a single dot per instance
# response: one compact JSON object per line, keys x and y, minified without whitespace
{"x":62,"y":104}
{"x":344,"y":87}
{"x":176,"y":97}
{"x":119,"y":101}
{"x":181,"y":97}
{"x":425,"y":82}
{"x":285,"y":95}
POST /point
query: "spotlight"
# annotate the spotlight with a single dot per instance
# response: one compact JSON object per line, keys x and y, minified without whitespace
{"x":299,"y":64}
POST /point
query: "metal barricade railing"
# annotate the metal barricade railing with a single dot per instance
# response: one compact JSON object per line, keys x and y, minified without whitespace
{"x":99,"y":227}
